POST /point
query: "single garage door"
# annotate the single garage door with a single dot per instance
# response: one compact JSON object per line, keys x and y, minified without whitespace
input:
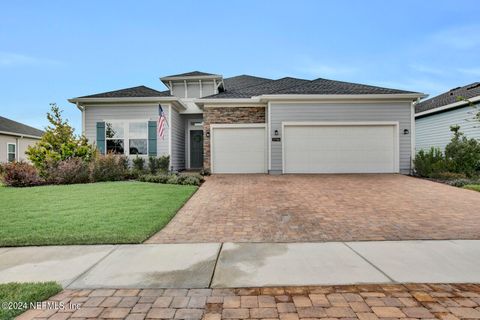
{"x":238,"y":150}
{"x":340,"y":148}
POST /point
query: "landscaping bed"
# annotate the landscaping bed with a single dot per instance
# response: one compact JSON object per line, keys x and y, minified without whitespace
{"x":98,"y":213}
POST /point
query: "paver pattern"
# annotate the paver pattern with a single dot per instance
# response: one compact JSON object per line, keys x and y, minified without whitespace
{"x":294,"y":208}
{"x":364,"y":302}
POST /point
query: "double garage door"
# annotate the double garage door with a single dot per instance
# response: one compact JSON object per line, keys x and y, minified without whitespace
{"x":308,"y":148}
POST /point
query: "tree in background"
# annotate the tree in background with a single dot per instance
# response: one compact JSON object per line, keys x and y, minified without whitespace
{"x":59,"y":143}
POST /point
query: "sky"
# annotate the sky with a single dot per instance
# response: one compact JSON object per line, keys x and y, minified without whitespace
{"x":54,"y":50}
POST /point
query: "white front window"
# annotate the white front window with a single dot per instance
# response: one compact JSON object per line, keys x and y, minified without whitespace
{"x":127,"y":137}
{"x":11,"y":152}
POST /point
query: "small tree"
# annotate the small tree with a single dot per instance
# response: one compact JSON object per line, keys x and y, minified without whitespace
{"x":462,"y":154}
{"x":59,"y":143}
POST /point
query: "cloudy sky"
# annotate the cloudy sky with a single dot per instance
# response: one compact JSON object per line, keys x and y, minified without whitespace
{"x":54,"y":50}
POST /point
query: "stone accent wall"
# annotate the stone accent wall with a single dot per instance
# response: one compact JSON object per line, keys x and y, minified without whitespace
{"x":222,"y":115}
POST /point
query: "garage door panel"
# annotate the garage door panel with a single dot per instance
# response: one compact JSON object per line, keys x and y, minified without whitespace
{"x":239,"y":150}
{"x":339,"y":149}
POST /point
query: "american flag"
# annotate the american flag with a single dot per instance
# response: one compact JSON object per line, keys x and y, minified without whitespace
{"x":162,"y":120}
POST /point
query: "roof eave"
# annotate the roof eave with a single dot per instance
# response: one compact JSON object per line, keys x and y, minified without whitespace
{"x":447,"y":107}
{"x":16,"y":134}
{"x":173,"y":100}
{"x":290,"y":97}
{"x":204,"y":77}
{"x":202,"y":102}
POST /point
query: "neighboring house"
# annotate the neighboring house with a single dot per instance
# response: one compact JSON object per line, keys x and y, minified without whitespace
{"x":247,"y":124}
{"x":15,"y":137}
{"x":435,"y":116}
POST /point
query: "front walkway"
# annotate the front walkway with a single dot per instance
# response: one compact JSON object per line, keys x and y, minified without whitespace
{"x":233,"y":265}
{"x":296,"y":208}
{"x":364,"y":302}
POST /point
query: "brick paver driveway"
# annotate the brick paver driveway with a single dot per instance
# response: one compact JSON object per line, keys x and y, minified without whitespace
{"x":290,"y":208}
{"x":364,"y":302}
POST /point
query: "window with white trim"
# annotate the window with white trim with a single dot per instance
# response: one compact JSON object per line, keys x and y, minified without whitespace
{"x":11,"y":152}
{"x":127,"y":137}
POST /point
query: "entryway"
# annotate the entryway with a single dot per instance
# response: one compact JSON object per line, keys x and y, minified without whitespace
{"x":196,"y":149}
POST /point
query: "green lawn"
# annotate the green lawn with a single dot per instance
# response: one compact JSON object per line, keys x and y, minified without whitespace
{"x":108,"y":212}
{"x":475,"y":187}
{"x":22,"y":294}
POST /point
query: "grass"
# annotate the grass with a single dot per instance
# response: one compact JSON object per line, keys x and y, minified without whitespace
{"x":475,"y":187}
{"x":97,"y":213}
{"x":22,"y":294}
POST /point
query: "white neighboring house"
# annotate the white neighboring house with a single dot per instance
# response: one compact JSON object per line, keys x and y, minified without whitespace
{"x":249,"y":124}
{"x":435,"y":116}
{"x":15,"y":137}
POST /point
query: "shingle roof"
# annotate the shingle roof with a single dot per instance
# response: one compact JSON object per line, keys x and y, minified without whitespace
{"x":326,"y":86}
{"x":15,"y":127}
{"x":191,"y":74}
{"x":266,"y":87}
{"x":243,"y":81}
{"x":140,"y":91}
{"x":301,"y":86}
{"x":454,"y":95}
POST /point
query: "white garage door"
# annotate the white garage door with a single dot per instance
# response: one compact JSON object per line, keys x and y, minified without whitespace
{"x":238,"y":150}
{"x":340,"y":149}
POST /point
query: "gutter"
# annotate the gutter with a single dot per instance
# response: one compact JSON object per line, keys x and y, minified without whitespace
{"x":173,"y":100}
{"x":19,"y":135}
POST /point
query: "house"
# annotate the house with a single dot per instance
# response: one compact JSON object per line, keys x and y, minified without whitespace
{"x":435,"y":116}
{"x":248,"y":124}
{"x":15,"y":137}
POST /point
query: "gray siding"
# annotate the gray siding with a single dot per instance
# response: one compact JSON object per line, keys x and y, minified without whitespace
{"x":178,"y":141}
{"x":434,"y":130}
{"x":94,"y":114}
{"x":21,"y":146}
{"x":400,"y":112}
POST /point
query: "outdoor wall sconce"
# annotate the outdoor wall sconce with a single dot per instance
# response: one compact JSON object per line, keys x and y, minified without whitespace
{"x":405,"y":131}
{"x":276,"y":132}
{"x":207,"y":134}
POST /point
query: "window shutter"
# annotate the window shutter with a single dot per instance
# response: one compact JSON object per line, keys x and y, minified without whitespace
{"x":152,"y":138}
{"x":101,"y":137}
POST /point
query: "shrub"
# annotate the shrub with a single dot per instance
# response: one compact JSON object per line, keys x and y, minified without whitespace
{"x":205,"y":172}
{"x":164,"y":163}
{"x":462,"y":154}
{"x":70,"y":171}
{"x":108,"y":167}
{"x":448,"y":176}
{"x":59,"y":143}
{"x":462,"y":182}
{"x":153,"y":165}
{"x":191,"y":180}
{"x":428,"y":163}
{"x":20,"y":174}
{"x":160,"y":178}
{"x":139,"y":164}
{"x":173,"y":179}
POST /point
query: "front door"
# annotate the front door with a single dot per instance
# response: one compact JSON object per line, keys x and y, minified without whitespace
{"x":196,"y":149}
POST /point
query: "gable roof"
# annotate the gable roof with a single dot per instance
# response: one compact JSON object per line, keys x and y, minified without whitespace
{"x":140,"y":92}
{"x":191,"y":74}
{"x":454,"y":95}
{"x":297,"y":86}
{"x":17,"y":128}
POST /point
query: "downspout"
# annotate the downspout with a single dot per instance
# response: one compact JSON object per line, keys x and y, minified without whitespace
{"x":82,"y":109}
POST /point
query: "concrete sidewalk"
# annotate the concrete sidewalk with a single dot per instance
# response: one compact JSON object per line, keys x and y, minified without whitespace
{"x":204,"y":265}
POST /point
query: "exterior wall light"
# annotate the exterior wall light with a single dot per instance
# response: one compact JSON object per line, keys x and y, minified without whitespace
{"x":207,"y":134}
{"x":405,"y":131}
{"x":276,"y":132}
